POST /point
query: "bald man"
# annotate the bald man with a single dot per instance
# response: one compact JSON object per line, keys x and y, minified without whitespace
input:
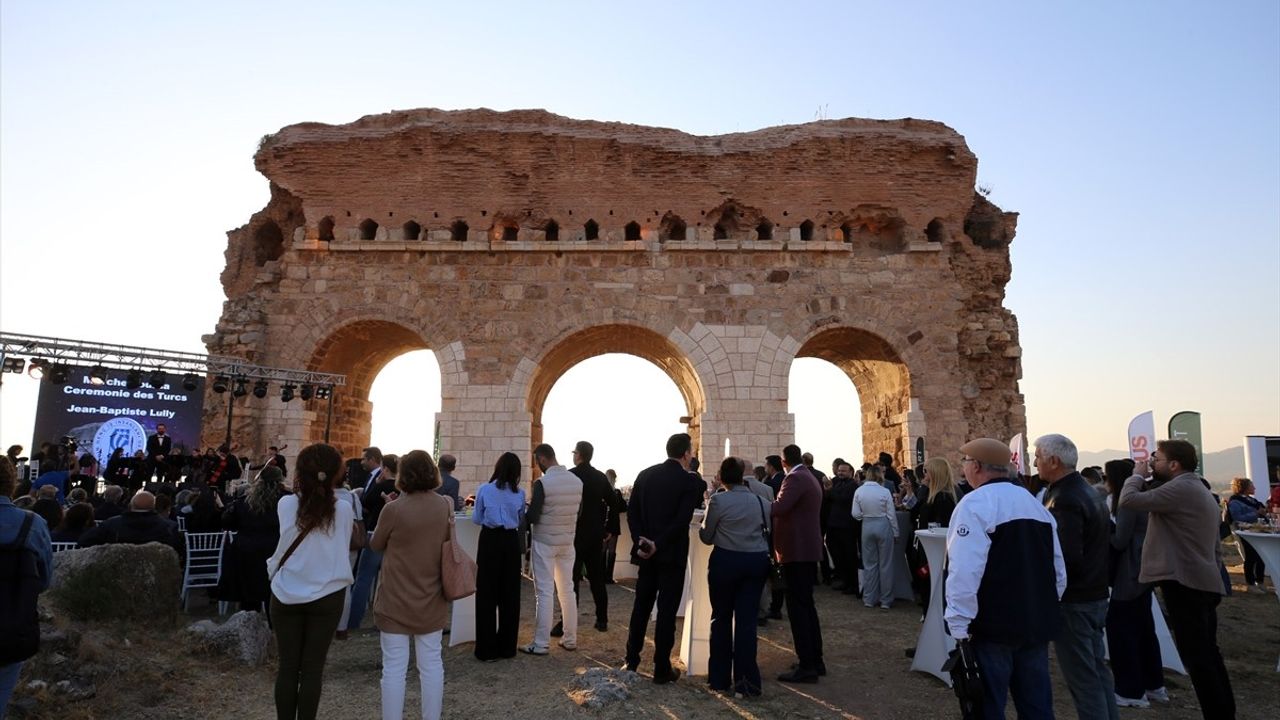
{"x":138,"y":526}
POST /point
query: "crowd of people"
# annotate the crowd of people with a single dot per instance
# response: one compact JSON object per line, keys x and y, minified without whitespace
{"x":309,"y":549}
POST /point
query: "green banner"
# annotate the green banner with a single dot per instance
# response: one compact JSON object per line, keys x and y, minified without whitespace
{"x":1186,"y":426}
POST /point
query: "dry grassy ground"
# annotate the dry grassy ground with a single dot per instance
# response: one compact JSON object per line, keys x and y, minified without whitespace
{"x":153,"y":677}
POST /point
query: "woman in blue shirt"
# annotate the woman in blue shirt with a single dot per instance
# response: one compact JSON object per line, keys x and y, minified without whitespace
{"x":498,"y":511}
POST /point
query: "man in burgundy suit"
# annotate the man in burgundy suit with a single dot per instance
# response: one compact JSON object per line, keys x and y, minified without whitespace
{"x":797,"y":540}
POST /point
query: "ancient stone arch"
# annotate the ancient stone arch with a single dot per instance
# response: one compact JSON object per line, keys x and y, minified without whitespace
{"x":515,"y":245}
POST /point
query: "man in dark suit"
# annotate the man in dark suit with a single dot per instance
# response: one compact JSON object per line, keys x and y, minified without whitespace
{"x":377,"y":490}
{"x":773,"y":469}
{"x":797,"y":540}
{"x":591,"y":533}
{"x":662,"y":502}
{"x":159,"y":446}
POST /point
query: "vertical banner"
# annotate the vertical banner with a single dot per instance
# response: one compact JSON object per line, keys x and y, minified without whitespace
{"x":1142,"y":436}
{"x":1186,"y":426}
{"x":920,"y":450}
{"x":1018,"y":446}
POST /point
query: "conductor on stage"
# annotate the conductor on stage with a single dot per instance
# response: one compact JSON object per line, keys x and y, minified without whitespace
{"x":159,"y":446}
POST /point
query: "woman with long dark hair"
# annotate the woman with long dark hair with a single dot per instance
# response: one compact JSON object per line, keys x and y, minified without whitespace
{"x":498,"y":511}
{"x":309,"y":572}
{"x":1131,"y":629}
{"x":410,"y":608}
{"x":253,"y":517}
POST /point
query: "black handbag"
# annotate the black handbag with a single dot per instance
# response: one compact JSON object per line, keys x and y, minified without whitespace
{"x":777,"y":580}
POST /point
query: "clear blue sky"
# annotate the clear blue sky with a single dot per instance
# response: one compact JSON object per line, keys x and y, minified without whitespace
{"x":1139,"y":141}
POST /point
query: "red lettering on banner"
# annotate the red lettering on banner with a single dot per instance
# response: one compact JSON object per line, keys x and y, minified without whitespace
{"x":1138,"y":448}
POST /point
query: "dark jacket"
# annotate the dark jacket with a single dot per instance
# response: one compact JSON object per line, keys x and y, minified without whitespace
{"x":593,"y":514}
{"x":1126,"y":543}
{"x":1084,"y":532}
{"x":797,"y":536}
{"x":840,"y":514}
{"x":372,"y":500}
{"x":135,"y":527}
{"x":449,"y":488}
{"x":662,"y":502}
{"x":938,"y":509}
{"x":108,"y":510}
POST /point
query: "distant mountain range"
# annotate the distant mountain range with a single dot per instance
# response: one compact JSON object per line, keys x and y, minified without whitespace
{"x":1219,"y":467}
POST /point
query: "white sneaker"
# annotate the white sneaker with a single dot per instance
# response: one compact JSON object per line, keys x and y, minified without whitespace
{"x":1158,"y":695}
{"x":1122,"y":701}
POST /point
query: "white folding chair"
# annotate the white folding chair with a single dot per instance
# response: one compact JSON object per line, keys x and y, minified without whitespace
{"x":182,"y":523}
{"x":60,"y":546}
{"x":204,"y":562}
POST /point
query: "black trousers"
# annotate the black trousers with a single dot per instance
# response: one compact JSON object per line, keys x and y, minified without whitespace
{"x":735,"y":580}
{"x":303,"y":633}
{"x":844,"y":555}
{"x":663,"y":583}
{"x":1253,"y":565}
{"x":1193,"y":618}
{"x":805,"y":631}
{"x":497,"y":593}
{"x":590,"y":558}
{"x":1135,"y":649}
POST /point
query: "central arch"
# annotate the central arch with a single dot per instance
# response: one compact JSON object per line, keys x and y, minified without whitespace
{"x":617,"y":338}
{"x":882,"y":379}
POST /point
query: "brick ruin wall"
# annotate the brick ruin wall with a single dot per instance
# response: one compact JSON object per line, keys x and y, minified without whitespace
{"x":517,"y":244}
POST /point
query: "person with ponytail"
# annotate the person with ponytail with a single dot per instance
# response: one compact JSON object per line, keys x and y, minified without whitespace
{"x":309,"y":571}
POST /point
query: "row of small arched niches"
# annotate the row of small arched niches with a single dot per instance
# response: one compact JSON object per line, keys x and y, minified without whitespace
{"x":551,"y":231}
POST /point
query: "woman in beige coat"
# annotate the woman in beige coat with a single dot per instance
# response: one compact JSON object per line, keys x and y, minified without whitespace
{"x":410,"y":606}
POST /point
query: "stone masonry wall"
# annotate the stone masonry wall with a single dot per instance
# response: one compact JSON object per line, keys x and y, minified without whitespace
{"x":860,"y":242}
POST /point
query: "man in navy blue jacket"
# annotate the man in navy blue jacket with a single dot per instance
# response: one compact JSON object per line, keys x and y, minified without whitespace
{"x":662,"y":502}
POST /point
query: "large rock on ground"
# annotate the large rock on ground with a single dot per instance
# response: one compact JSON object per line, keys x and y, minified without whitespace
{"x":245,"y":636}
{"x":117,"y":581}
{"x":597,"y":687}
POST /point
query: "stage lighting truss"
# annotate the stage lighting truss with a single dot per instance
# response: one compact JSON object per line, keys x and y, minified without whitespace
{"x":53,"y":358}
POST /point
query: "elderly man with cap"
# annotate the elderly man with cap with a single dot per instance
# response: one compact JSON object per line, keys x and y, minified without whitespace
{"x":1005,"y":574}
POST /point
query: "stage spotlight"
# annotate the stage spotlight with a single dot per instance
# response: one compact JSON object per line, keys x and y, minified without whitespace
{"x":97,"y":375}
{"x":37,"y":368}
{"x":59,"y":374}
{"x":260,"y":389}
{"x":133,"y":380}
{"x":156,"y":380}
{"x":220,"y":384}
{"x":323,"y":392}
{"x":190,"y":382}
{"x":242,"y":387}
{"x":14,"y":365}
{"x":307,"y":391}
{"x":286,"y":392}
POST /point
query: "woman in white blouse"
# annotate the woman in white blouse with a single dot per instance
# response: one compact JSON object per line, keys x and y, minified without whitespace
{"x":873,"y":505}
{"x":310,"y":571}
